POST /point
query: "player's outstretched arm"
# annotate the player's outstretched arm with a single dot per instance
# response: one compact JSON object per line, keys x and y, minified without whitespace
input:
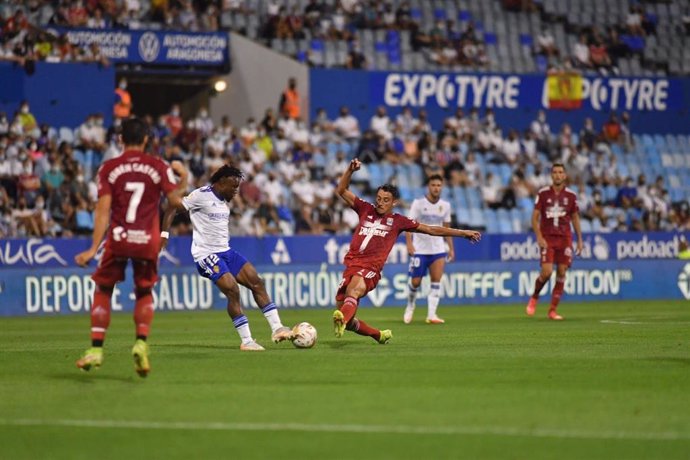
{"x":100,"y":226}
{"x":343,"y":188}
{"x":437,"y":230}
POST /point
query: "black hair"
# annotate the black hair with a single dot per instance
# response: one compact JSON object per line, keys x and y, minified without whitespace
{"x":226,"y":171}
{"x":134,"y":131}
{"x":558,"y":165}
{"x":434,"y":177}
{"x":390,"y":188}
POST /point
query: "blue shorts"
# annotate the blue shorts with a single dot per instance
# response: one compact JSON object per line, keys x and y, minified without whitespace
{"x":419,"y":264}
{"x":217,"y":265}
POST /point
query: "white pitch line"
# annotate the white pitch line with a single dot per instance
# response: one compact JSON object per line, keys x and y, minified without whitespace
{"x":335,"y":428}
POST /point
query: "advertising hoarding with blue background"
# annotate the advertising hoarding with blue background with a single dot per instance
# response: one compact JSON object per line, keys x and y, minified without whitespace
{"x":154,"y":47}
{"x":656,"y":105}
{"x":39,"y":276}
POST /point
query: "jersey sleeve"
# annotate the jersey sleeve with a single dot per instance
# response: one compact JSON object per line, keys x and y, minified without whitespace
{"x":405,"y":224}
{"x":192,"y":201}
{"x":360,"y":206}
{"x":168,"y":180}
{"x":102,"y":183}
{"x":575,"y":205}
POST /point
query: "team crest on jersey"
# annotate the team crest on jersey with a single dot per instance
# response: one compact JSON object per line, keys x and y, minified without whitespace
{"x":548,"y":200}
{"x":389,"y":221}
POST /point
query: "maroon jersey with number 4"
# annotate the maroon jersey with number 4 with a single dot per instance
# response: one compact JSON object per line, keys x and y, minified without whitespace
{"x":135,"y":181}
{"x":375,"y":236}
{"x":556,"y":211}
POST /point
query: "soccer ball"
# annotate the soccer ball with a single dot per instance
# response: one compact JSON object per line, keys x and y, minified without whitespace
{"x":305,"y":335}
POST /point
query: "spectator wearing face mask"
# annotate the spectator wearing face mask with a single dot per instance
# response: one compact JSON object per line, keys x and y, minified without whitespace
{"x":123,"y":101}
{"x":27,"y":121}
{"x":203,"y":122}
{"x":174,"y":121}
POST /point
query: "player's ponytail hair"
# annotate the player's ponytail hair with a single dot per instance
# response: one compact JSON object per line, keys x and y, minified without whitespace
{"x":226,"y":171}
{"x":390,"y":188}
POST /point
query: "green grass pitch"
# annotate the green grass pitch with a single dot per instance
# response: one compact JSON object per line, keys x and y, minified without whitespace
{"x":612,"y":381}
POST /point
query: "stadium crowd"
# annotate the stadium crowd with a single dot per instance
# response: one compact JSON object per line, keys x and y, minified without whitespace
{"x":47,"y":186}
{"x":446,"y":39}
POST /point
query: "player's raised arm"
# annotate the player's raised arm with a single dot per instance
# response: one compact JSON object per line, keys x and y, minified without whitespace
{"x":101,"y":221}
{"x":343,"y":188}
{"x":437,"y":230}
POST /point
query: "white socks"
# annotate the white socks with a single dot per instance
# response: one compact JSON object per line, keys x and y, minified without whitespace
{"x":433,"y":299}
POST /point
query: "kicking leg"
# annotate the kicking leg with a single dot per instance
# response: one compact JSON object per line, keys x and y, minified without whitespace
{"x":249,"y":278}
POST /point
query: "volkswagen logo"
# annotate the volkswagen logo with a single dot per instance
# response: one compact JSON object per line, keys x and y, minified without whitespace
{"x":149,"y":47}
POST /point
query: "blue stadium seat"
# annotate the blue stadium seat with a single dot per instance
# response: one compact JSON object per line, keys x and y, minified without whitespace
{"x":474,"y":198}
{"x":460,"y":197}
{"x":462,"y":216}
{"x":526,"y":40}
{"x":505,"y":226}
{"x":490,"y":38}
{"x":491,"y":219}
{"x":585,"y":225}
{"x":477,"y":218}
{"x":596,"y":225}
{"x":464,"y":16}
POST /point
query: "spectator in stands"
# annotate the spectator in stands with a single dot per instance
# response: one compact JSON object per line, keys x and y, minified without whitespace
{"x":611,"y":130}
{"x":27,"y":120}
{"x":380,"y":124}
{"x":96,"y":20}
{"x":542,"y":132}
{"x":546,"y":44}
{"x":626,"y":194}
{"x":492,"y":193}
{"x":588,"y":136}
{"x":529,"y":146}
{"x":626,"y":138}
{"x":203,"y":122}
{"x":599,"y":57}
{"x":355,"y":58}
{"x":615,"y":47}
{"x":174,"y":121}
{"x":418,"y":38}
{"x":510,"y":148}
{"x":581,"y":53}
{"x":290,"y":100}
{"x":686,"y":20}
{"x":633,"y":21}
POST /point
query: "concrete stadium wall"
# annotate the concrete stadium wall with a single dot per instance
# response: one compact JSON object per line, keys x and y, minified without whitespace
{"x":259,"y":75}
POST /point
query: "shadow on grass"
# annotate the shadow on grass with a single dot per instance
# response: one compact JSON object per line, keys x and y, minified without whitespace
{"x":92,"y":377}
{"x":193,"y":345}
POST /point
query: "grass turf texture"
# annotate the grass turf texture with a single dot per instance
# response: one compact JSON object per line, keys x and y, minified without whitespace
{"x":612,"y":381}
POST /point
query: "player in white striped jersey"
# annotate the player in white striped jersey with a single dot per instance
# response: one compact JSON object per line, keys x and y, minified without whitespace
{"x":427,"y":252}
{"x":216,"y":260}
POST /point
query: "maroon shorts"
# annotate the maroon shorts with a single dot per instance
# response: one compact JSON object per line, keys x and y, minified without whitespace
{"x":558,"y":252}
{"x":111,"y":270}
{"x":371,"y":279}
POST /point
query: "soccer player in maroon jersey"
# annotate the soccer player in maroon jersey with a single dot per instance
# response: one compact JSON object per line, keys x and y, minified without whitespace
{"x":371,"y":243}
{"x":127,"y":214}
{"x":554,"y":209}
